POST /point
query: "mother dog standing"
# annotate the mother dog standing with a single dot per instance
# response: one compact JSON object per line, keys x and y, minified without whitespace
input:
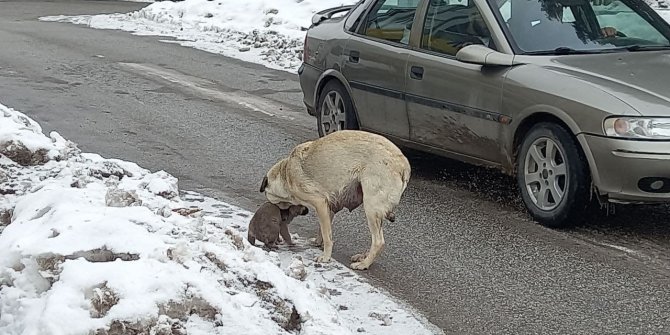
{"x":342,"y":170}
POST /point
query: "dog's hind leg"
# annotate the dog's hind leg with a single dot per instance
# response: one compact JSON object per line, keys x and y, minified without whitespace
{"x":364,"y":260}
{"x":359,"y":257}
{"x":380,"y":197}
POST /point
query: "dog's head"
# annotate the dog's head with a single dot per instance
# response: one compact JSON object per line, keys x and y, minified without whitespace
{"x":274,"y":187}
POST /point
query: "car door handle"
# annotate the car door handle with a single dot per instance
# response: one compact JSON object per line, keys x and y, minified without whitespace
{"x":354,"y":56}
{"x":416,"y":72}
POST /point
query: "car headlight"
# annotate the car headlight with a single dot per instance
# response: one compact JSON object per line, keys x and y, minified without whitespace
{"x":638,"y":127}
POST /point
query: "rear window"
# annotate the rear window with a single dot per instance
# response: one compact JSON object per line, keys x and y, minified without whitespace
{"x":356,"y":15}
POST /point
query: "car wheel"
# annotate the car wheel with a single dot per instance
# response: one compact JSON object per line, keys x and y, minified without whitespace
{"x":335,"y":110}
{"x":553,"y":176}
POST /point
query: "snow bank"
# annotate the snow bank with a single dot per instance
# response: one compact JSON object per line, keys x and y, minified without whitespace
{"x":269,"y":32}
{"x":101,"y":246}
{"x":21,"y":140}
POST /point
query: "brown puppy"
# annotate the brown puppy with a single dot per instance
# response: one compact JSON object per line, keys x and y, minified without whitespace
{"x":269,"y":222}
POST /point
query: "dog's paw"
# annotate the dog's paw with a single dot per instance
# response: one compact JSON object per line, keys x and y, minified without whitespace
{"x":315,"y":242}
{"x":360,"y":266}
{"x":323,"y":259}
{"x":357,"y":258}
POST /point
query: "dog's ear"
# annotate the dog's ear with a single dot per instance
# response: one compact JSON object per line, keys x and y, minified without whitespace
{"x":264,"y":184}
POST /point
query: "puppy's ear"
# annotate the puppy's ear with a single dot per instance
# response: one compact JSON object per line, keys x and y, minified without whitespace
{"x":284,"y":214}
{"x":264,"y":184}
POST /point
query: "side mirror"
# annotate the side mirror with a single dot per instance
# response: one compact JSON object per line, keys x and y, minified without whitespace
{"x":481,"y":55}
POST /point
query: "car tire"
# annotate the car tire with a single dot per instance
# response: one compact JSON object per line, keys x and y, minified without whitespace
{"x":553,"y":176}
{"x":335,"y":109}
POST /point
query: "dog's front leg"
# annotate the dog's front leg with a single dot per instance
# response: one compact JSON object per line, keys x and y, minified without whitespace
{"x":325,"y":225}
{"x":317,"y":241}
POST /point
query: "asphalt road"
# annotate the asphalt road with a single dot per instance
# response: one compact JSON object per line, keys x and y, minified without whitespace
{"x":462,"y":250}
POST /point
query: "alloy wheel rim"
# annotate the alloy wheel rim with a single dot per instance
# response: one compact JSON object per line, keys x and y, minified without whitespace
{"x":333,"y":116}
{"x":546,"y":174}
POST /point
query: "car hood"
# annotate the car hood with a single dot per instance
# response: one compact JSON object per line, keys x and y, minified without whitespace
{"x":639,"y":79}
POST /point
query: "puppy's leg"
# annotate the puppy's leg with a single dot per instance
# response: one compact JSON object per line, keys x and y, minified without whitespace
{"x":325,"y":223}
{"x":271,"y":246}
{"x":251,"y":238}
{"x":284,"y":233}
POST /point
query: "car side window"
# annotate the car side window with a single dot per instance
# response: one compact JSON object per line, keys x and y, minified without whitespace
{"x":355,"y":16}
{"x":390,"y":20}
{"x":451,"y":25}
{"x":621,"y":17}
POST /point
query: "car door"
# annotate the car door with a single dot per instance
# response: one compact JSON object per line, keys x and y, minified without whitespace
{"x":375,"y":60}
{"x":451,"y":105}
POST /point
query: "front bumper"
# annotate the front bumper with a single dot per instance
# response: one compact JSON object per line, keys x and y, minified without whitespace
{"x":629,"y":171}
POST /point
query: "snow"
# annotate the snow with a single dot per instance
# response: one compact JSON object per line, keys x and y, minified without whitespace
{"x":94,"y":245}
{"x":268,"y":32}
{"x":664,"y":13}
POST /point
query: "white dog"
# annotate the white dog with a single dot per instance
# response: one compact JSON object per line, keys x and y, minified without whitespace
{"x":342,"y":170}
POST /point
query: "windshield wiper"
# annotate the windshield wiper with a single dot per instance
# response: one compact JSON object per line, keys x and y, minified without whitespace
{"x":564,"y":51}
{"x":637,"y":47}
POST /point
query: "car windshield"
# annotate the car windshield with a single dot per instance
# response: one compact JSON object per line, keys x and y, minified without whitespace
{"x":582,"y":26}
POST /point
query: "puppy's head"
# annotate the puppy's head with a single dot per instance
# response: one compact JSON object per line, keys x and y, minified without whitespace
{"x":287,"y":215}
{"x":296,"y":210}
{"x":274,"y":187}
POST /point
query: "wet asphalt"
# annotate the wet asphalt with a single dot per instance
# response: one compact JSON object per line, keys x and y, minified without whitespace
{"x":462,"y":251}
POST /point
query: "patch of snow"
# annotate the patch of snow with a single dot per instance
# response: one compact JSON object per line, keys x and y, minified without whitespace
{"x":94,"y":245}
{"x":664,"y":13}
{"x":268,"y":32}
{"x":21,"y":139}
{"x":621,"y":248}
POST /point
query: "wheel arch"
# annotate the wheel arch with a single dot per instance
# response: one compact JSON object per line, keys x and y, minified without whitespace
{"x":327,"y":76}
{"x":538,"y":115}
{"x":561,"y":119}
